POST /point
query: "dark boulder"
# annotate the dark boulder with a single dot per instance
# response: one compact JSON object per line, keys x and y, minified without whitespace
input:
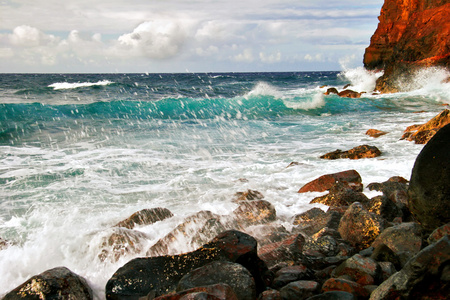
{"x":270,"y":295}
{"x":145,"y":217}
{"x":344,"y":285}
{"x":359,"y":226}
{"x":425,"y":276}
{"x":363,"y":151}
{"x":299,"y":290}
{"x":326,"y":182}
{"x":57,"y":283}
{"x":161,"y":274}
{"x":290,"y":249}
{"x":341,"y":195}
{"x":363,"y":270}
{"x":232,"y":274}
{"x":429,"y":188}
{"x":290,"y":274}
{"x":331,"y":90}
{"x":219,"y":291}
{"x":438,"y":233}
{"x":333,"y":295}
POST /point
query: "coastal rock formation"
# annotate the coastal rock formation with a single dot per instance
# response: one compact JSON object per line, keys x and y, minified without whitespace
{"x":375,"y":133}
{"x":146,"y":217}
{"x":363,"y":151}
{"x":56,"y":283}
{"x":411,"y":34}
{"x":429,"y":189}
{"x":421,"y":134}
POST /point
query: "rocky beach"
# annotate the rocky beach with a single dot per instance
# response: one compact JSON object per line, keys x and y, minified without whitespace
{"x":350,"y":245}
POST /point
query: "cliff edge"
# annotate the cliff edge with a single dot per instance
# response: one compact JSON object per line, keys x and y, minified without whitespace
{"x":411,"y":34}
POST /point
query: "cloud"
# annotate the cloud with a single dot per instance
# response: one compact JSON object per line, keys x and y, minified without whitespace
{"x":245,"y":56}
{"x":27,"y":36}
{"x":157,"y":39}
{"x":316,"y":57}
{"x":272,"y":58}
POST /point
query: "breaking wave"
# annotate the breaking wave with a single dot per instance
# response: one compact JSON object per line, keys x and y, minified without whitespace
{"x":68,"y":85}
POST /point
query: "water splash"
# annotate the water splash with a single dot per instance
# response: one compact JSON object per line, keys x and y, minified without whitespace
{"x":68,"y":85}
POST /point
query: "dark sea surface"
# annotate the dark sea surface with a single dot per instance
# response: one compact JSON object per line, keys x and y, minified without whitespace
{"x":80,"y":152}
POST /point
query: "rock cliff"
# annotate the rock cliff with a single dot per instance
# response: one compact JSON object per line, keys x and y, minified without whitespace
{"x":411,"y":34}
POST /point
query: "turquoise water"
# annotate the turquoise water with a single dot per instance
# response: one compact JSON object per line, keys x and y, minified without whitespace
{"x":80,"y":152}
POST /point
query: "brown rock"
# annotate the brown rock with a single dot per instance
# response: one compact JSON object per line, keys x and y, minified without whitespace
{"x":363,"y":270}
{"x":360,"y":227}
{"x":301,"y":289}
{"x":270,"y":295}
{"x":286,"y":250}
{"x":410,"y":34}
{"x":221,"y":291}
{"x":341,"y":195}
{"x":145,"y":217}
{"x":338,"y":284}
{"x":254,"y":212}
{"x":326,"y":182}
{"x":375,"y":133}
{"x":438,"y":233}
{"x":331,"y":91}
{"x":56,"y":283}
{"x":248,"y":195}
{"x":309,"y":216}
{"x":349,"y":94}
{"x":363,"y":151}
{"x":421,"y":134}
{"x":290,"y":274}
{"x":120,"y":242}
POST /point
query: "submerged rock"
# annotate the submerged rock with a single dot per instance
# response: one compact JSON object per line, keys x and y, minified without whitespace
{"x":349,"y":94}
{"x":363,"y":151}
{"x":120,"y":242}
{"x":375,"y":133}
{"x":56,"y":283}
{"x":429,"y":188}
{"x":248,"y":195}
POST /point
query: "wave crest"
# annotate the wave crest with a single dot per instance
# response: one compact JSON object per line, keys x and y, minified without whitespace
{"x":361,"y":79}
{"x":74,"y":85}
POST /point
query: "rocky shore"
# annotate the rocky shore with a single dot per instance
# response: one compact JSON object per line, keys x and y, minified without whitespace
{"x":392,"y":246}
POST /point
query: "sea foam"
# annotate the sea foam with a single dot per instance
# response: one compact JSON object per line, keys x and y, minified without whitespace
{"x":68,"y":85}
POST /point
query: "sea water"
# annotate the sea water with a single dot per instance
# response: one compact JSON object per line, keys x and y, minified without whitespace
{"x":81,"y":152}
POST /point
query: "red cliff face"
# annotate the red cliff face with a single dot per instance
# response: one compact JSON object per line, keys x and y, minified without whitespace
{"x":410,"y":34}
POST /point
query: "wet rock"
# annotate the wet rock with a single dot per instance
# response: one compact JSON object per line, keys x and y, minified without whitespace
{"x":220,"y":291}
{"x":326,"y":182}
{"x":349,"y":94}
{"x":333,"y":295}
{"x":404,"y":238}
{"x":323,"y":242}
{"x":363,"y":270}
{"x":3,"y":244}
{"x":140,"y":276}
{"x":438,"y":233}
{"x":289,"y":274}
{"x":421,"y":134}
{"x":145,"y":217}
{"x":267,"y":233}
{"x":383,"y":253}
{"x":344,"y":285}
{"x":56,"y":283}
{"x":233,"y":274}
{"x":289,"y":249}
{"x":375,"y":133}
{"x":270,"y":295}
{"x":359,"y":226}
{"x":301,"y":289}
{"x":429,"y":191}
{"x":341,"y":195}
{"x":331,"y":91}
{"x":254,"y":212}
{"x":185,"y":232}
{"x":363,"y":151}
{"x":120,"y":242}
{"x":248,"y":195}
{"x":425,"y":276}
{"x":385,"y":208}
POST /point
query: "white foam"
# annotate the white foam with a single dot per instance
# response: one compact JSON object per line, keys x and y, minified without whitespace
{"x":74,"y":85}
{"x":317,"y":101}
{"x":264,"y":89}
{"x":361,"y":79}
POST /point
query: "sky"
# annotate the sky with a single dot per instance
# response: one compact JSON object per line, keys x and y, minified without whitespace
{"x":160,"y":36}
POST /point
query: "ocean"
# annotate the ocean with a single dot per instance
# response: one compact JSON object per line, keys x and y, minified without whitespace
{"x":81,"y":152}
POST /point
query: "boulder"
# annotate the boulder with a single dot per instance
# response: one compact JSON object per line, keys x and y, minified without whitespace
{"x":311,"y":215}
{"x":333,"y":295}
{"x":349,"y":94}
{"x":383,"y":253}
{"x":344,"y":285}
{"x":341,"y":195}
{"x":359,"y":226}
{"x":3,"y":244}
{"x":438,"y":233}
{"x":375,"y":133}
{"x":289,"y":274}
{"x":145,"y":217}
{"x":232,"y":274}
{"x":191,"y":227}
{"x":421,"y":134}
{"x":363,"y":270}
{"x":331,"y":90}
{"x":56,"y":283}
{"x":289,"y":249}
{"x":425,"y":276}
{"x":299,"y":290}
{"x":323,"y":242}
{"x":161,"y":274}
{"x":385,"y":208}
{"x":120,"y":242}
{"x":268,"y":233}
{"x":326,"y":182}
{"x":253,"y":212}
{"x":270,"y":295}
{"x":404,"y":239}
{"x":220,"y":291}
{"x":248,"y":195}
{"x":429,"y":191}
{"x":363,"y":151}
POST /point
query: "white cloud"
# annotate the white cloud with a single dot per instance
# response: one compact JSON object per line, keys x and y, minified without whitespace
{"x":316,"y":57}
{"x":245,"y":56}
{"x":27,"y":36}
{"x":272,"y":58}
{"x":155,"y":39}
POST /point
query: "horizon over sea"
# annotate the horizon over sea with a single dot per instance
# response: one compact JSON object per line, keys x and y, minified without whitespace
{"x":81,"y":152}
